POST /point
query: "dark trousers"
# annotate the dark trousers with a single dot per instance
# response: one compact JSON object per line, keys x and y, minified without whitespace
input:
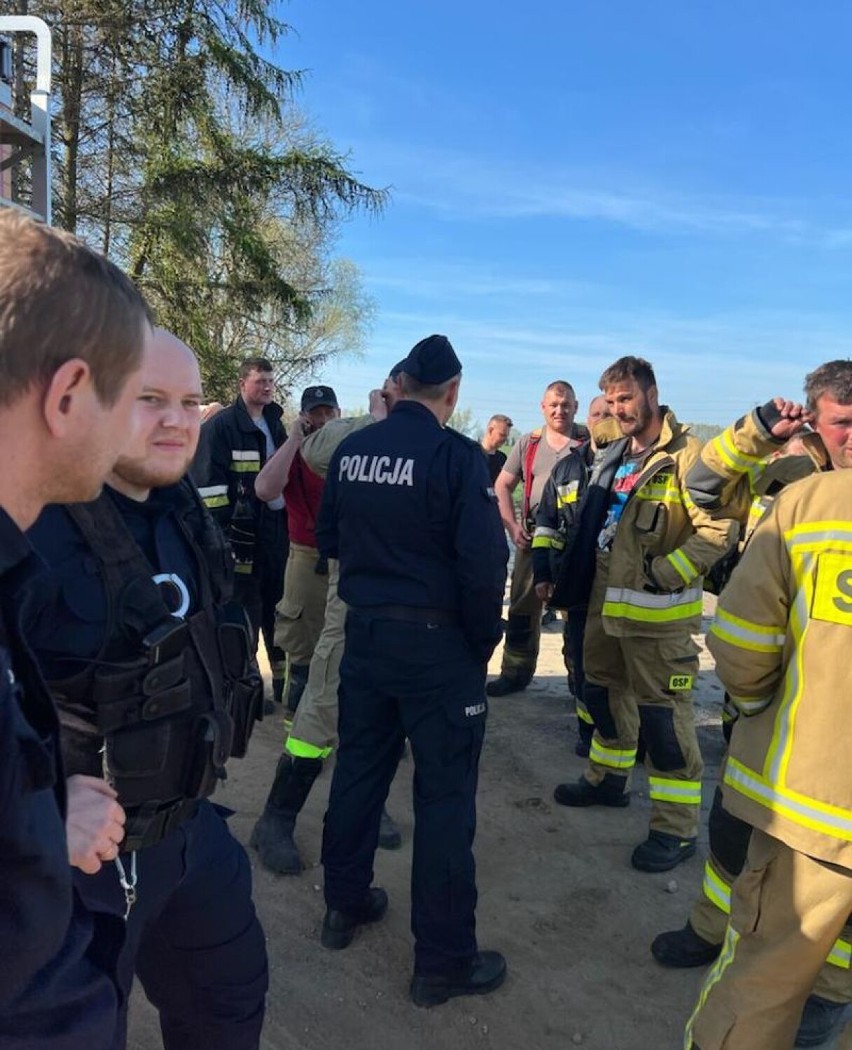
{"x":401,"y":679}
{"x":260,"y":591}
{"x":193,"y":938}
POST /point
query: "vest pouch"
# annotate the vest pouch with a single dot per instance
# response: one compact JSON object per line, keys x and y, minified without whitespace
{"x":243,"y":692}
{"x":136,"y":693}
{"x":137,"y":764}
{"x":244,"y":699}
{"x":211,"y":748}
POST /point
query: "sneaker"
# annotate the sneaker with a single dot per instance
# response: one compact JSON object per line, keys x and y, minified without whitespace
{"x":504,"y":685}
{"x":338,"y":927}
{"x":820,"y":1020}
{"x":582,"y":793}
{"x":661,"y":852}
{"x":683,"y":948}
{"x":486,"y":972}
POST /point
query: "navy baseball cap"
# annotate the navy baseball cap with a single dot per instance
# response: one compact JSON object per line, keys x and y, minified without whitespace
{"x":315,"y":396}
{"x":432,"y":361}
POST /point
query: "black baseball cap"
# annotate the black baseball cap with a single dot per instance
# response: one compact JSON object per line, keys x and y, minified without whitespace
{"x":432,"y":361}
{"x":315,"y":396}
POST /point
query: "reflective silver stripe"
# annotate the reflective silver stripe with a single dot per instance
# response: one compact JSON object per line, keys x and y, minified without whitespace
{"x":615,"y":759}
{"x":213,"y":490}
{"x":841,"y":954}
{"x":761,"y":638}
{"x":646,"y":600}
{"x":686,"y":792}
{"x":238,"y":454}
{"x":799,"y":808}
{"x":749,"y":706}
{"x":716,"y":890}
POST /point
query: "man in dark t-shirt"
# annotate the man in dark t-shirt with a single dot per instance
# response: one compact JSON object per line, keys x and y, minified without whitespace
{"x":496,"y":435}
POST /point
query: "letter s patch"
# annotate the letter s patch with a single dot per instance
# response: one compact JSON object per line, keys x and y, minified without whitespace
{"x":832,"y":600}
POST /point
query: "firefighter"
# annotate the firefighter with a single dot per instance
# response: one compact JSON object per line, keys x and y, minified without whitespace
{"x":153,"y":674}
{"x":409,"y":510}
{"x":67,"y":393}
{"x":781,"y":639}
{"x":638,"y":558}
{"x":313,"y":733}
{"x":235,"y":444}
{"x":554,"y":524}
{"x":748,"y":450}
{"x":530,"y":462}
{"x":299,"y":615}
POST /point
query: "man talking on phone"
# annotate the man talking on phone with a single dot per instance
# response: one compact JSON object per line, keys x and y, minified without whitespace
{"x":301,"y":611}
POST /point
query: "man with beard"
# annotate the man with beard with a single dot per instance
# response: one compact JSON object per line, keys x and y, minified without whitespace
{"x":638,"y":555}
{"x":73,"y":335}
{"x":131,"y":626}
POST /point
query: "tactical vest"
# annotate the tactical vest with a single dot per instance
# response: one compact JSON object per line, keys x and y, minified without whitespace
{"x":172,"y":698}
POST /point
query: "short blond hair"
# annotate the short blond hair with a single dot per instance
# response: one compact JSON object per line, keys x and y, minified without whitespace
{"x":59,"y":300}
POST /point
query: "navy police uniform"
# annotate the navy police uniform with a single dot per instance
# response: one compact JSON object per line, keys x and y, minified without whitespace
{"x":54,"y":991}
{"x":192,"y":936}
{"x":409,"y":512}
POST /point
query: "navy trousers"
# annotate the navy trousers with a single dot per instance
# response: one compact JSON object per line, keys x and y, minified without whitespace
{"x":192,"y":937}
{"x":400,"y":679}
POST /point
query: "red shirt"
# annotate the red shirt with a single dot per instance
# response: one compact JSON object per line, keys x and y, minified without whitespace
{"x":303,"y":495}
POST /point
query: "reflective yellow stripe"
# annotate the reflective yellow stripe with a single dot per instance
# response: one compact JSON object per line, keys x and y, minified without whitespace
{"x":841,"y":954}
{"x":243,"y":567}
{"x":799,"y":808}
{"x":714,"y":975}
{"x":682,"y":565}
{"x":607,"y":756}
{"x":246,"y":466}
{"x":583,"y":713}
{"x":302,"y":749}
{"x":661,"y":488}
{"x":755,"y":637}
{"x":567,"y":494}
{"x":544,"y":537}
{"x":727,"y":451}
{"x":716,"y":890}
{"x":685,"y":792}
{"x":623,"y":603}
{"x":215,"y":501}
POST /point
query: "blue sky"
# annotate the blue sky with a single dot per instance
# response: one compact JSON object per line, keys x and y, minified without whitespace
{"x":574,"y":181}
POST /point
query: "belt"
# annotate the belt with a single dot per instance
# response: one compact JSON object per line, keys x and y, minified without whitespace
{"x":147,"y":829}
{"x":409,"y":614}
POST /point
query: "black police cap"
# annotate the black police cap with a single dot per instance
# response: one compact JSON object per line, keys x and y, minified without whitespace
{"x":432,"y":361}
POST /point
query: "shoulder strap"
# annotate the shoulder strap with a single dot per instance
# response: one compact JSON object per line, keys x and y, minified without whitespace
{"x":532,"y":448}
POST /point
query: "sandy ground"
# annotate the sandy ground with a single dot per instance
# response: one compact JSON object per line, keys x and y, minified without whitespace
{"x":557,"y":895}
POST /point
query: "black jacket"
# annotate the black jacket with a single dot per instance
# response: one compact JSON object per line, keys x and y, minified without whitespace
{"x":230,"y":454}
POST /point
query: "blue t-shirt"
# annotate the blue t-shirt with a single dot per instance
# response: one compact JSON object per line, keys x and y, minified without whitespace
{"x":626,"y":476}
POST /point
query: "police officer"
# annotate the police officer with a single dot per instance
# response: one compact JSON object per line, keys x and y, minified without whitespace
{"x":66,"y":394}
{"x":131,"y":626}
{"x":408,"y":510}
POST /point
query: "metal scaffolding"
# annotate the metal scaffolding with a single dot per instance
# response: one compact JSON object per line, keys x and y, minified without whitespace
{"x":26,"y":141}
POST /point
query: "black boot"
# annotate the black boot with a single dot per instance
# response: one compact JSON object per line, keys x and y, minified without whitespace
{"x":485,"y":972}
{"x":662,"y":851}
{"x":610,"y":792}
{"x":506,"y":684}
{"x":273,"y":833}
{"x":298,"y":677}
{"x":683,"y":948}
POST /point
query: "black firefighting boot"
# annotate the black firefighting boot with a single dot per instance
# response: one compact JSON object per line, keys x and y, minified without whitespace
{"x":683,"y":948}
{"x":610,"y":792}
{"x":662,"y":851}
{"x":820,"y":1020}
{"x":506,"y":684}
{"x":273,"y":833}
{"x":298,"y":679}
{"x":389,"y":833}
